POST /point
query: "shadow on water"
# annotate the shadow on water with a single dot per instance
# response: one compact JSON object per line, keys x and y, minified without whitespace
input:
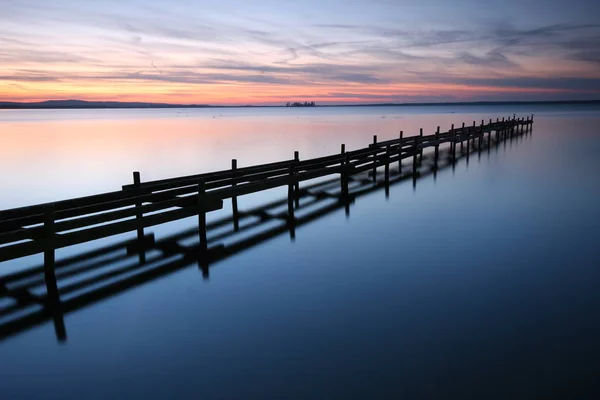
{"x":84,"y":279}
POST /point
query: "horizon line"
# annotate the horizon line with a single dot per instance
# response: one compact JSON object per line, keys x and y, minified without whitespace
{"x":108,"y":104}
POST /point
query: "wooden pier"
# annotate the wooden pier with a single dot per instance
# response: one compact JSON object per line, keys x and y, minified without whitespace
{"x":341,"y":178}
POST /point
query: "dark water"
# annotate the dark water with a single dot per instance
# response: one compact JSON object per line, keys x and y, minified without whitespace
{"x":482,"y":283}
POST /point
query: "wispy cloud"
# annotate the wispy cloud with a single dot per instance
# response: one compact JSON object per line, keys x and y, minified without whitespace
{"x":270,"y":48}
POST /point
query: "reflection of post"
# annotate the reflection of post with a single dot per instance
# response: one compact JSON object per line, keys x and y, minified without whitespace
{"x":137,"y":182}
{"x":297,"y":186}
{"x":291,"y":220}
{"x":234,"y":202}
{"x":202,"y":228}
{"x":374,"y":158}
{"x":400,"y":153}
{"x":52,"y":296}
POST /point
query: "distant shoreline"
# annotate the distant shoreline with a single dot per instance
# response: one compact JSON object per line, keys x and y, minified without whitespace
{"x":80,"y":104}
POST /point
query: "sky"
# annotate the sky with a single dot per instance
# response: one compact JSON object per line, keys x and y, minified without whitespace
{"x":237,"y":52}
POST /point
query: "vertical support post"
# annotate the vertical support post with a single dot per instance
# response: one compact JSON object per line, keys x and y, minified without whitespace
{"x":234,"y":202}
{"x":473,"y":134}
{"x":137,"y":182}
{"x":421,"y":140}
{"x":499,"y":133}
{"x":202,"y":228}
{"x":291,"y":219}
{"x":480,"y":139}
{"x":374,"y":159}
{"x":415,"y":154}
{"x":437,"y":147}
{"x":531,"y":126}
{"x":513,"y":124}
{"x":297,"y":186}
{"x":346,"y":193}
{"x":453,"y":147}
{"x":343,"y":177}
{"x":452,"y":144}
{"x":400,"y":152}
{"x":462,"y":132}
{"x":387,"y":171}
{"x":387,"y":164}
{"x":468,"y":140}
{"x":52,"y":297}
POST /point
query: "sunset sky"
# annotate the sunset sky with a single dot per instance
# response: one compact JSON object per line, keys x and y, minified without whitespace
{"x":270,"y":52}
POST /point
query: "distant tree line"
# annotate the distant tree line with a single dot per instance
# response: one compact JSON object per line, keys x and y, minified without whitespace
{"x":300,"y":104}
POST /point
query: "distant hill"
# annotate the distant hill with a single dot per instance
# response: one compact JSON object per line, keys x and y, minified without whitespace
{"x":94,"y":104}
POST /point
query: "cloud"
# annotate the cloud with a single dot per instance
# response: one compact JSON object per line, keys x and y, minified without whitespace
{"x":164,"y":44}
{"x":561,"y":83}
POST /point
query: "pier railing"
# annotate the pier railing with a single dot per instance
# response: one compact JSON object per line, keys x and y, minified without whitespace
{"x":42,"y":228}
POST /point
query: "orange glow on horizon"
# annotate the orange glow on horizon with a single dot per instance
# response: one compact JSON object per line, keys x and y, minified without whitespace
{"x":247,"y":93}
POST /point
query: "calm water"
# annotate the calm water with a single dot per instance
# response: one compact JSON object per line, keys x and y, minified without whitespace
{"x":482,"y":283}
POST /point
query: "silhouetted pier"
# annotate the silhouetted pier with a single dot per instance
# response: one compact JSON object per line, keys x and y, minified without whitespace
{"x":342,"y":178}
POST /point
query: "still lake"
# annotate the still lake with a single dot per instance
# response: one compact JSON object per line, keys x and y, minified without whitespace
{"x":481,"y":283}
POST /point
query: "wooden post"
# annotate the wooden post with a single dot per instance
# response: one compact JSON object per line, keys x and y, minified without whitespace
{"x":468,"y":140}
{"x":462,"y":149}
{"x":387,"y":165}
{"x":234,"y":202}
{"x":52,"y":296}
{"x":452,"y":142}
{"x":346,"y":193}
{"x":421,"y":140}
{"x":437,"y":147}
{"x":387,"y":172}
{"x":531,"y":126}
{"x":416,"y":153}
{"x":480,"y":139}
{"x":498,"y":134}
{"x":297,"y":186}
{"x":343,"y":176}
{"x":473,"y":132}
{"x":137,"y":182}
{"x":291,"y":220}
{"x":400,"y":152}
{"x":374,"y":159}
{"x":202,"y":228}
